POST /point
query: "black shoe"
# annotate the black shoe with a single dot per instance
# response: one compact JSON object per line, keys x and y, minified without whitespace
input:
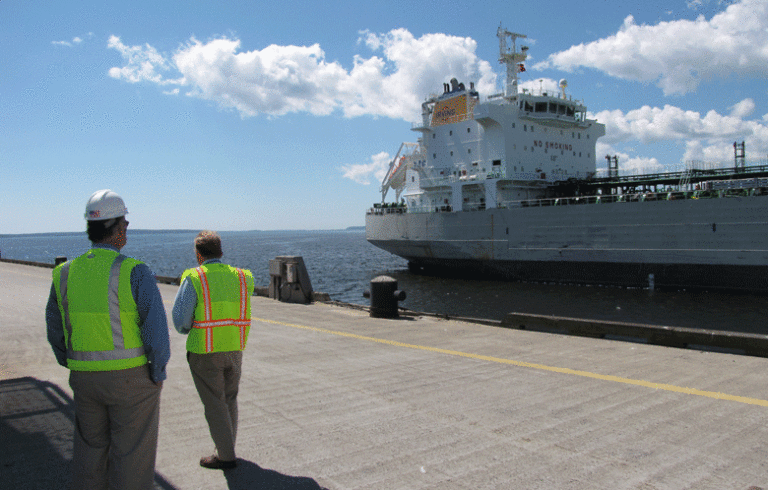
{"x":214,"y":463}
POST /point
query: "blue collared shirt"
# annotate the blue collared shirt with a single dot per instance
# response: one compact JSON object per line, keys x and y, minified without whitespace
{"x":185,"y":303}
{"x":153,"y":323}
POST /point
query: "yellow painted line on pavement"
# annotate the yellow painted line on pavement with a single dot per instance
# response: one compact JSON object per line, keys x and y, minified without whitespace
{"x":542,"y":367}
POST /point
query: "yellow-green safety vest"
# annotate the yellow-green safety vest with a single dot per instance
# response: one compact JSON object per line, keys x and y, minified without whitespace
{"x":98,"y":310}
{"x":223,"y":312}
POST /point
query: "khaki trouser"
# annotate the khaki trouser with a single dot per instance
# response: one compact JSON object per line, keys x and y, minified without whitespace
{"x":116,"y":421}
{"x":217,"y":379}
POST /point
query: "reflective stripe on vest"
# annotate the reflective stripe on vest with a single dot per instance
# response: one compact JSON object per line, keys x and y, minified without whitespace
{"x":209,"y":323}
{"x":119,"y":352}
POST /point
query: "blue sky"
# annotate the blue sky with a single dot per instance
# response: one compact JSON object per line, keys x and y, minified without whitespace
{"x":245,"y":115}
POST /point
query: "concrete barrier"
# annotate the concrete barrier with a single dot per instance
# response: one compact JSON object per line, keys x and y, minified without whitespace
{"x":736,"y":342}
{"x":257,"y":290}
{"x":28,"y":262}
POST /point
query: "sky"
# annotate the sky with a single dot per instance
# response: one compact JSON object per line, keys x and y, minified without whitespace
{"x":252,"y":115}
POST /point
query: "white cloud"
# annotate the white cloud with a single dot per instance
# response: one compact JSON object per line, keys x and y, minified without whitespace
{"x":679,"y":54}
{"x":283,"y":79}
{"x":628,"y":164}
{"x":651,"y":124}
{"x":708,"y":137}
{"x":143,"y":63}
{"x":363,"y":173}
{"x":417,"y":67}
{"x":69,"y":44}
{"x":276,"y":80}
{"x":743,"y":109}
{"x":540,"y":85}
{"x":403,"y":70}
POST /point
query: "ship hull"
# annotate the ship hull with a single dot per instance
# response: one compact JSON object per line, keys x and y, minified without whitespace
{"x":693,"y":243}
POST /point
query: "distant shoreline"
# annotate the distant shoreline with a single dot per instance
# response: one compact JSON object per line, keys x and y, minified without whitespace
{"x":147,"y":232}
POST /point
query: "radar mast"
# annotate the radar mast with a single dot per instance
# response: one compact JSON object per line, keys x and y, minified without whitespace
{"x":512,"y":58}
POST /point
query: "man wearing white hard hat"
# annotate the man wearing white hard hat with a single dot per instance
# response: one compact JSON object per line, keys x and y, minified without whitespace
{"x":107,"y":324}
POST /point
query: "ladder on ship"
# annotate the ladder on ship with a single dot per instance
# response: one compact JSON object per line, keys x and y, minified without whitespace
{"x":685,"y":177}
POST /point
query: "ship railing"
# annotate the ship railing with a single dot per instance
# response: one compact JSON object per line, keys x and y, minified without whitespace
{"x":380,"y":209}
{"x":553,"y":117}
{"x":388,"y":208}
{"x":695,"y":174}
{"x":636,"y":197}
{"x":452,"y":179}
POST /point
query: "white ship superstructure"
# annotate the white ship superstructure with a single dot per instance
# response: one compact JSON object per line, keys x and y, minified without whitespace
{"x":479,"y":155}
{"x":497,"y":186}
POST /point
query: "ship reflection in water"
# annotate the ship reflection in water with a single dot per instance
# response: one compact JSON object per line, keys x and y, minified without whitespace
{"x":734,"y":312}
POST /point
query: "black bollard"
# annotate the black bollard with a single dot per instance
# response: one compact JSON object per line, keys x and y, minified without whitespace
{"x":384,"y":297}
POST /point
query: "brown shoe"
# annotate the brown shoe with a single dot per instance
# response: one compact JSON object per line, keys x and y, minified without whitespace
{"x":214,"y":463}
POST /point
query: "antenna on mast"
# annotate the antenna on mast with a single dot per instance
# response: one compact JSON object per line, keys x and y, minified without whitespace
{"x":512,"y":58}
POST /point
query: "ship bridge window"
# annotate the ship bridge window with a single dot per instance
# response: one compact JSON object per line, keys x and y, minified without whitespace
{"x":561,"y":109}
{"x":553,"y":108}
{"x":541,"y":107}
{"x":570,"y":111}
{"x":528,"y":107}
{"x":497,"y":163}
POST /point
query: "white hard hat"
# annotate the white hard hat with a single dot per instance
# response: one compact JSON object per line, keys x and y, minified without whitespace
{"x":105,"y":204}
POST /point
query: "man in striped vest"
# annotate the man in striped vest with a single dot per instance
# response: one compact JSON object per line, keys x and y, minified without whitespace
{"x":213,"y":306}
{"x":106,"y":323}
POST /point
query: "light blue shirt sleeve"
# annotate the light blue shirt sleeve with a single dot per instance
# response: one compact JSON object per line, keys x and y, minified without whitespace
{"x":184,"y":307}
{"x":153,"y":321}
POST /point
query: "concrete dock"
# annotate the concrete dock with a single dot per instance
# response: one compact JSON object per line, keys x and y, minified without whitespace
{"x":331,"y":398}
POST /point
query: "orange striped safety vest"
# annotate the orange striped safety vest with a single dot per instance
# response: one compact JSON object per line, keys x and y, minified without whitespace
{"x":223,"y":312}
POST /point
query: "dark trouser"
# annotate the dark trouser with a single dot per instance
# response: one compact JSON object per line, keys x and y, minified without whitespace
{"x":217,"y":379}
{"x":116,"y":421}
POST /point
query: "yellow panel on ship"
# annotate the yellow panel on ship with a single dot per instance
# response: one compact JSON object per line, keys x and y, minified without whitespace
{"x":449,"y":111}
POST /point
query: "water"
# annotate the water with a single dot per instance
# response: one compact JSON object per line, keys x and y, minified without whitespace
{"x":342,"y":264}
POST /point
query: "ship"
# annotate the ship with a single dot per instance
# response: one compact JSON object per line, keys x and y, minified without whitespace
{"x":507,"y":187}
